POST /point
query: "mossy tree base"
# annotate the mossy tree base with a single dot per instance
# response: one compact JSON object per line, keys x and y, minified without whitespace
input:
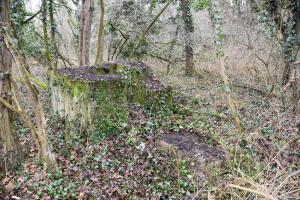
{"x":94,"y":99}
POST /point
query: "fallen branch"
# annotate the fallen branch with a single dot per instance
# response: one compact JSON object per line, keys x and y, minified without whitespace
{"x":297,"y":62}
{"x":267,"y":196}
{"x":252,"y":88}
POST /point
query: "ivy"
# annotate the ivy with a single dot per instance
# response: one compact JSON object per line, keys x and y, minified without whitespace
{"x":281,"y":18}
{"x":201,"y":4}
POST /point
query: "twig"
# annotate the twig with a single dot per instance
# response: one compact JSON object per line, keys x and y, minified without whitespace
{"x":32,"y":17}
{"x":267,"y":196}
{"x":148,"y":28}
{"x":252,"y":88}
{"x":125,"y":36}
{"x":284,"y":181}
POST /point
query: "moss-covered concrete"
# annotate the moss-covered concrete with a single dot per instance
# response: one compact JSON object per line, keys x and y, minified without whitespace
{"x":95,"y":98}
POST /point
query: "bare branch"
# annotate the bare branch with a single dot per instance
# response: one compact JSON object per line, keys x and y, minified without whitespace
{"x":32,"y":17}
{"x":8,"y":105}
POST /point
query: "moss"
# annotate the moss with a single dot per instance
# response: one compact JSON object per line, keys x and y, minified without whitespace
{"x":95,"y":99}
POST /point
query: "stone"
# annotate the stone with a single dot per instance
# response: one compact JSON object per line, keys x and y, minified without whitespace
{"x":189,"y":146}
{"x":96,"y":98}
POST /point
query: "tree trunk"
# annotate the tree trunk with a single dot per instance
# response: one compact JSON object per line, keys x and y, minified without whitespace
{"x":46,"y":37}
{"x":11,"y":147}
{"x":37,"y":125}
{"x":219,"y":41}
{"x":86,"y":17}
{"x":52,"y":31}
{"x":188,"y":30}
{"x":100,"y":48}
{"x":296,"y":85}
{"x":172,"y":49}
{"x":18,"y":26}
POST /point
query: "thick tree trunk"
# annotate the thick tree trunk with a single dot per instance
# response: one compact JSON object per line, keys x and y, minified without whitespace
{"x":86,"y":17}
{"x":100,"y":48}
{"x":11,"y":148}
{"x":188,"y":30}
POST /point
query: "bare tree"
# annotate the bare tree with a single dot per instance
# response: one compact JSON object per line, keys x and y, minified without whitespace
{"x":11,"y":148}
{"x":86,"y":18}
{"x":36,"y":124}
{"x":146,"y":31}
{"x":188,"y":30}
{"x":45,"y":32}
{"x":219,"y":40}
{"x":100,"y":48}
{"x":52,"y":32}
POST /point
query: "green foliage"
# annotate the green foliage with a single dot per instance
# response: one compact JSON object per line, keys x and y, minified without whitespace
{"x":201,"y":4}
{"x":58,"y":188}
{"x":159,"y":103}
{"x":185,"y":6}
{"x":29,"y":41}
{"x":280,"y":18}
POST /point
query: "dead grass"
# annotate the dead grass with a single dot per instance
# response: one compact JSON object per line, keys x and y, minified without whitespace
{"x":264,"y":161}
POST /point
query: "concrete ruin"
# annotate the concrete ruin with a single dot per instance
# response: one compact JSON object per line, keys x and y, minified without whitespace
{"x":96,"y":98}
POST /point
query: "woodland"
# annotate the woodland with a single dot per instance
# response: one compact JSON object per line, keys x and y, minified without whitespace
{"x":150,"y":99}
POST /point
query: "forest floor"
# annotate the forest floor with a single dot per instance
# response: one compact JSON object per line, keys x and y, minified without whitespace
{"x":135,"y":163}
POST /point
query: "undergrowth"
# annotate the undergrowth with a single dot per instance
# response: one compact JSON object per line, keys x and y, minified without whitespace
{"x":263,"y":163}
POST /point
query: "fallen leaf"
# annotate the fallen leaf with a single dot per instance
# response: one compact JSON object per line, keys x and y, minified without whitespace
{"x":9,"y":187}
{"x":81,"y":195}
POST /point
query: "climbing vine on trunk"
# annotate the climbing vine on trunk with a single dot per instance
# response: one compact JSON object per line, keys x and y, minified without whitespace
{"x":219,"y":39}
{"x":9,"y":144}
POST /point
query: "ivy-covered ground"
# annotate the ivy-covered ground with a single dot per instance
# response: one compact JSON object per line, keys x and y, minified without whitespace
{"x":131,"y":164}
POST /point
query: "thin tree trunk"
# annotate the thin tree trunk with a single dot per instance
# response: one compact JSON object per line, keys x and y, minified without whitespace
{"x":119,"y":44}
{"x":188,"y":30}
{"x":8,"y":140}
{"x":121,"y":48}
{"x":85,"y":32}
{"x":297,"y":63}
{"x":18,"y":26}
{"x":172,"y":49}
{"x":52,"y":31}
{"x":220,"y":42}
{"x":100,"y":48}
{"x":46,"y":37}
{"x":39,"y":130}
{"x":286,"y":73}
